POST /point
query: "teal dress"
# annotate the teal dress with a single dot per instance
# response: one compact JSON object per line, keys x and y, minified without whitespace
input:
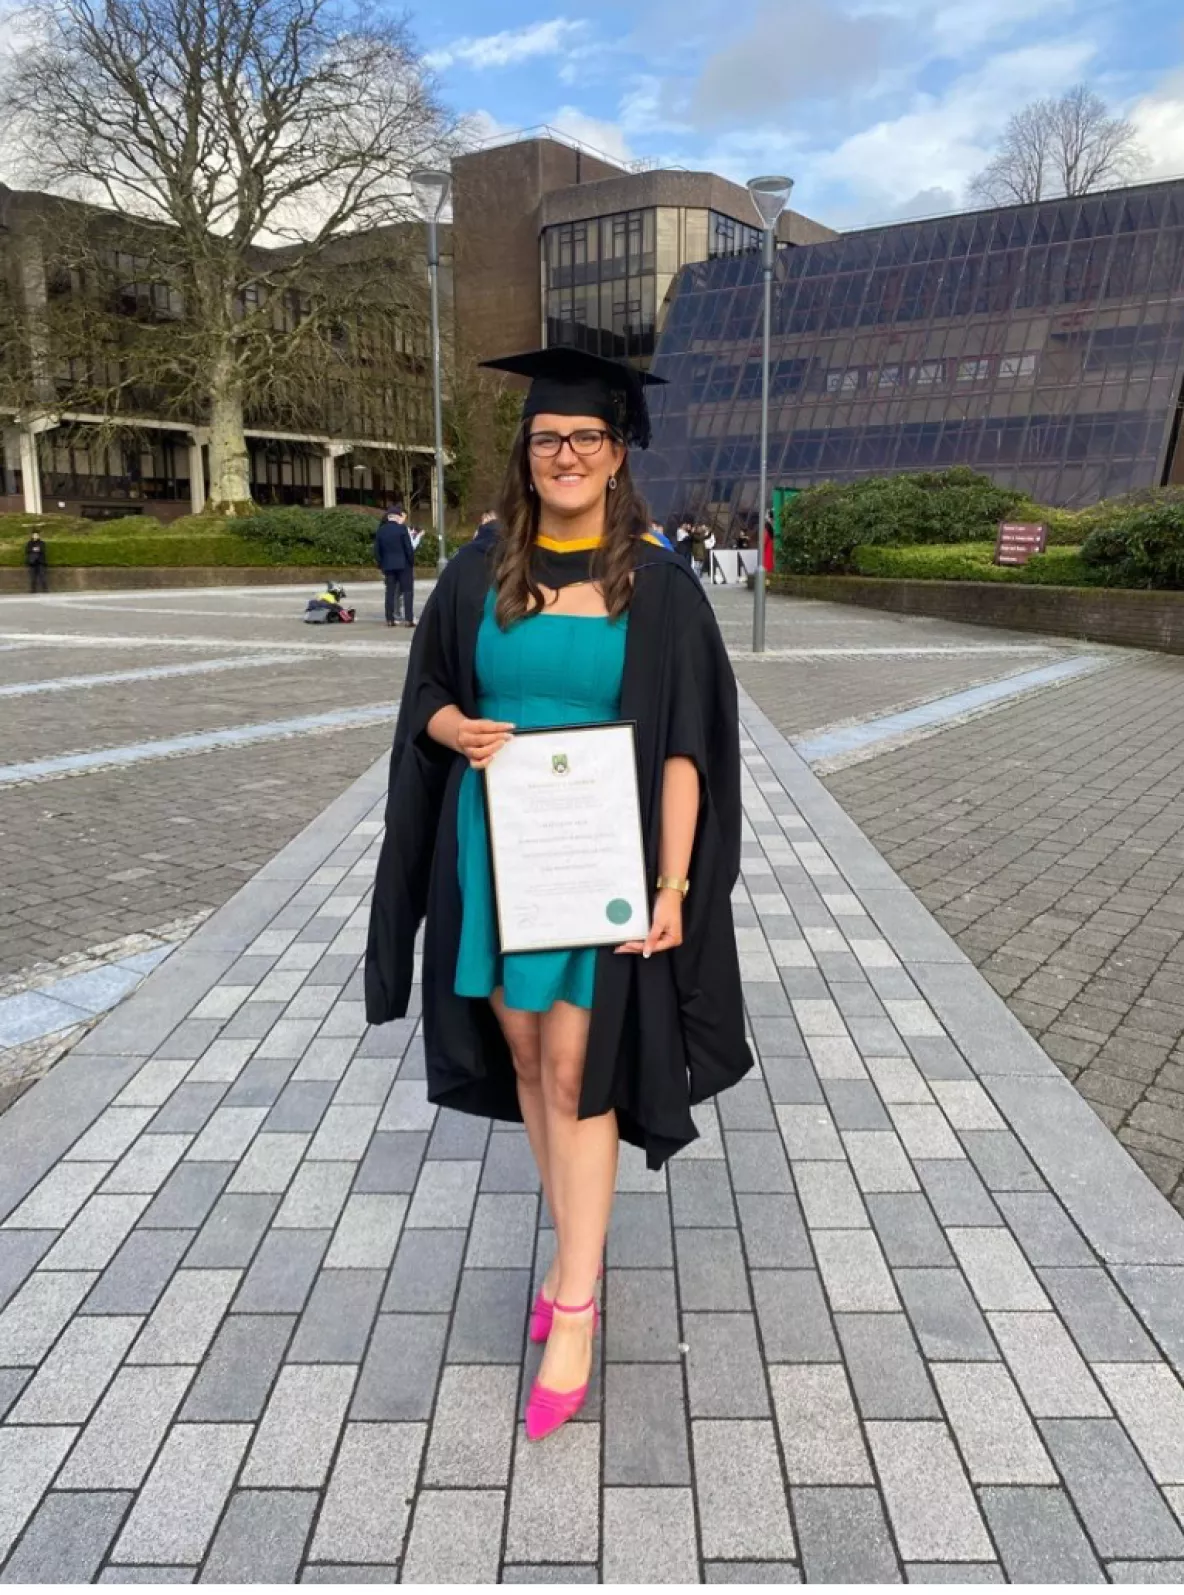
{"x":548,"y":670}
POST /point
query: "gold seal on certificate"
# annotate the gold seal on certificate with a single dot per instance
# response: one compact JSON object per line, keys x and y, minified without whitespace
{"x":565,"y":839}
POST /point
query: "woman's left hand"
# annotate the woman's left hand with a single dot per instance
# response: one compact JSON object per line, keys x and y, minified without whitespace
{"x":665,"y":926}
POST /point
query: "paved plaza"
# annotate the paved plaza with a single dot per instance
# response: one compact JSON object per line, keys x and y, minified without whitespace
{"x":906,"y":1311}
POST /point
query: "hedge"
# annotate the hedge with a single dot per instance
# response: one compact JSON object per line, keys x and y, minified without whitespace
{"x":1059,"y":567}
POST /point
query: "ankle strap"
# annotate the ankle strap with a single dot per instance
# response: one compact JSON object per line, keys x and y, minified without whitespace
{"x":560,"y":1308}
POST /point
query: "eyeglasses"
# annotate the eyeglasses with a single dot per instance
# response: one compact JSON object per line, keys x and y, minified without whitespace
{"x":587,"y":441}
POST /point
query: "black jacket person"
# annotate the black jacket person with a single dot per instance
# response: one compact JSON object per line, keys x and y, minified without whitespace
{"x":394,"y":554}
{"x":37,"y":558}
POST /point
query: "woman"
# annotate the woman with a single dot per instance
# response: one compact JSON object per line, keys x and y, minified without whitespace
{"x":576,"y":616}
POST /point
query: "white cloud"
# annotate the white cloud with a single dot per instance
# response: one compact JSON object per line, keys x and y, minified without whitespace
{"x":508,"y":48}
{"x":607,"y":137}
{"x":1159,"y":121}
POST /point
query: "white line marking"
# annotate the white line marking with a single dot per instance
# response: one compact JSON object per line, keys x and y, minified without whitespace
{"x":109,"y":678}
{"x":82,"y":639}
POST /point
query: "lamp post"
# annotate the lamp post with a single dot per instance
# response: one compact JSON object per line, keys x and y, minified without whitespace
{"x":431,"y":189}
{"x":770,"y":196}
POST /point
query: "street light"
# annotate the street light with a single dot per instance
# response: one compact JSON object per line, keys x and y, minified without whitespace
{"x":431,"y":190}
{"x":770,"y":195}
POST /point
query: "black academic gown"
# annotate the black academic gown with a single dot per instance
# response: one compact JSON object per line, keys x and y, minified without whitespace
{"x":665,"y":1032}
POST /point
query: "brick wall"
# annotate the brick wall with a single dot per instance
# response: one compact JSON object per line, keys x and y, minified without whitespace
{"x":1135,"y":619}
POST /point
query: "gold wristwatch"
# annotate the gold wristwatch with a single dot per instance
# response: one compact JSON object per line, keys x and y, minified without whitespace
{"x":673,"y":883}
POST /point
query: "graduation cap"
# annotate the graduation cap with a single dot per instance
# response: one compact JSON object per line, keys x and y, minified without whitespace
{"x":568,"y":381}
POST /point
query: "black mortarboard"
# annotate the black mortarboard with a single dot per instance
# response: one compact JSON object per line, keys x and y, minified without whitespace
{"x":573,"y":382}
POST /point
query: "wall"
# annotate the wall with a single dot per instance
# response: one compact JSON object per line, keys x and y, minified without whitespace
{"x":1133,"y":619}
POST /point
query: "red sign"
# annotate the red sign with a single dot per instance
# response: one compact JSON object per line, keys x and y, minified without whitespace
{"x":1019,"y":540}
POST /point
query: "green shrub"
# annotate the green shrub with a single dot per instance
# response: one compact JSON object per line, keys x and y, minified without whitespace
{"x":1139,"y":541}
{"x":822,"y":526}
{"x":1059,"y":567}
{"x":332,"y":535}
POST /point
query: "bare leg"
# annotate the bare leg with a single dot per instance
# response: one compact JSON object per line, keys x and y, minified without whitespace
{"x":521,"y":1030}
{"x":583,"y":1159}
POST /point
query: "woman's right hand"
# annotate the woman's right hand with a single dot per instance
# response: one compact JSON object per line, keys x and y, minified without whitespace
{"x":479,"y":740}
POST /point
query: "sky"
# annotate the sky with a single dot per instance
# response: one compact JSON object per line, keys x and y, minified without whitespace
{"x":879,"y":109}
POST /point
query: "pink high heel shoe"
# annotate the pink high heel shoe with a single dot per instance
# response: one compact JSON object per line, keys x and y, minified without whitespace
{"x":546,"y":1409}
{"x":542,"y":1314}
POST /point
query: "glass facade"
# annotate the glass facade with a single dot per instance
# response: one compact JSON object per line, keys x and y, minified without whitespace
{"x":605,"y":279}
{"x":1042,"y":344}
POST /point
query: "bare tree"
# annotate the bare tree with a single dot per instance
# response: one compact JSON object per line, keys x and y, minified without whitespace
{"x":249,"y":141}
{"x":1054,"y":147}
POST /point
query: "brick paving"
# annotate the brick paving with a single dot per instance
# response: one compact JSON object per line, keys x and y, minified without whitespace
{"x":905,"y":1310}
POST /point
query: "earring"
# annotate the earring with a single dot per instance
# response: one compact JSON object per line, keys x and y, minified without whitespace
{"x":530,"y":487}
{"x":612,"y":482}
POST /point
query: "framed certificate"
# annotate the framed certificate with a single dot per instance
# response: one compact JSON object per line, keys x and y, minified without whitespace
{"x":565,"y":838}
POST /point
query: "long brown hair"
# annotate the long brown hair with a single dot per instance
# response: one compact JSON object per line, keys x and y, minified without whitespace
{"x":626,"y":519}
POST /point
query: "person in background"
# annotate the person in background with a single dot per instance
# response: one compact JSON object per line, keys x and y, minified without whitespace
{"x":770,"y":550}
{"x":657,"y":535}
{"x":682,"y":537}
{"x":699,"y":549}
{"x":37,"y":559}
{"x":394,"y":554}
{"x":488,"y":530}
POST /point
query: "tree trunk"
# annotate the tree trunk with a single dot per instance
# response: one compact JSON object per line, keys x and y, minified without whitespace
{"x":230,"y":463}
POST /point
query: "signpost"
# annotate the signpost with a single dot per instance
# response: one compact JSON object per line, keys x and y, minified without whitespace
{"x":1019,"y":540}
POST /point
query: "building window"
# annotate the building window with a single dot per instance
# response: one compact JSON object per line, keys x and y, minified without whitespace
{"x":726,"y":236}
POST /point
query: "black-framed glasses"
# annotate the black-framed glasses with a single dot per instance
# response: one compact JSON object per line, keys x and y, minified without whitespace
{"x":588,"y":440}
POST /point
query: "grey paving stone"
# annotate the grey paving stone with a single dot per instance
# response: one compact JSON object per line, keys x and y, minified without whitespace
{"x":909,"y":1233}
{"x":645,"y":1425}
{"x":458,"y":1135}
{"x":548,"y":1573}
{"x":367,"y":1232}
{"x":398,"y":1378}
{"x":509,"y":1163}
{"x":76,"y":1372}
{"x":700,"y":1194}
{"x":20,"y":1252}
{"x":96,"y":1234}
{"x":938,"y":1058}
{"x":229,"y":1236}
{"x":29,"y":1458}
{"x":502,"y":1232}
{"x":177,"y":1511}
{"x":808,"y":1131}
{"x":991,"y":1425}
{"x":425,"y":1271}
{"x":1099,"y":1320}
{"x":260,"y":1083}
{"x":888,"y":1375}
{"x":711,"y":1273}
{"x":110,"y":1135}
{"x":879,"y":1161}
{"x":649,"y":1537}
{"x":391,"y":1164}
{"x":777,"y":1037}
{"x":343,"y":1133}
{"x":223,"y":1061}
{"x":316,"y":1196}
{"x":335,"y":1326}
{"x":639,"y":1232}
{"x":269,"y":1164}
{"x":555,"y":1500}
{"x":1149,"y":1401}
{"x":856,"y":1105}
{"x":154,"y":1084}
{"x":1055,"y":1381}
{"x":489,"y":1324}
{"x":444,"y":1195}
{"x":745,"y":1106}
{"x":12,"y":1382}
{"x":188,"y":1108}
{"x":1002,"y":1161}
{"x":774,"y":1231}
{"x":185,"y":1199}
{"x":829,"y":1196}
{"x":146,"y":1165}
{"x":957,"y":1193}
{"x":184,"y":1320}
{"x":818,"y":1425}
{"x":1039,"y":1537}
{"x":115,"y":1450}
{"x":59,"y":1196}
{"x":945,"y":1315}
{"x":227,"y":1135}
{"x":67,"y":1539}
{"x":37,"y":1314}
{"x":641,"y":1318}
{"x":725,"y":1374}
{"x":261,"y":1539}
{"x":297,"y":1434}
{"x":281,"y":1276}
{"x":1047,"y":1234}
{"x":792,"y":1313}
{"x":472,"y":1433}
{"x":743,"y":1513}
{"x":133,"y":1281}
{"x":751,"y":1573}
{"x":954,"y":1573}
{"x":364,"y":1518}
{"x":367,"y":1080}
{"x":1000,"y":1276}
{"x":300,"y":1107}
{"x":930,"y":1503}
{"x":148,"y":1575}
{"x":455,"y":1538}
{"x":844,"y":1538}
{"x":235,"y":1377}
{"x":791,"y":1080}
{"x":1157,"y":1295}
{"x":854,"y":1274}
{"x":1124,"y":1514}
